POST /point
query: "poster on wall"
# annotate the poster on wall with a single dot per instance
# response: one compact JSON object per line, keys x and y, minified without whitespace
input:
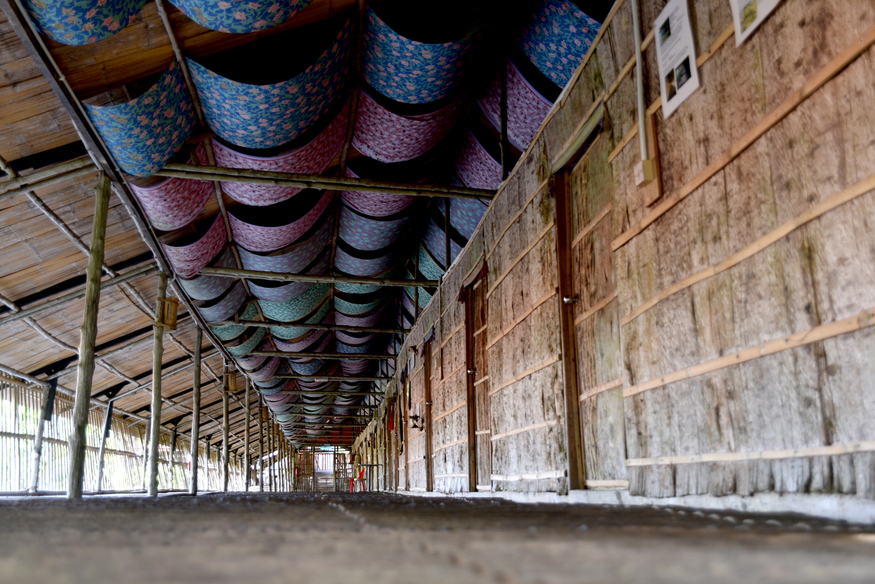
{"x":676,"y":55}
{"x":748,"y":15}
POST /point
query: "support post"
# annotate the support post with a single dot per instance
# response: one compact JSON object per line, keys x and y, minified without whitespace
{"x":226,"y":443}
{"x":196,"y":409}
{"x":261,"y":449}
{"x":246,"y":456}
{"x":87,"y":338}
{"x":107,"y":424}
{"x":269,"y":429}
{"x":207,"y":463}
{"x":157,"y":358}
{"x":45,"y":413}
{"x":561,"y":195}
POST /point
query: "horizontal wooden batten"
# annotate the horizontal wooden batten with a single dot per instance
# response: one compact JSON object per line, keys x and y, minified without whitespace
{"x":590,"y":226}
{"x":612,"y":485}
{"x":863,"y":320}
{"x":601,"y":305}
{"x":814,"y":83}
{"x":334,"y":393}
{"x":70,"y":297}
{"x":329,"y":416}
{"x":844,"y":196}
{"x":278,"y":277}
{"x":326,"y":356}
{"x":832,"y":450}
{"x":332,"y":378}
{"x":529,"y":428}
{"x":519,"y":258}
{"x":530,"y":371}
{"x":530,"y":476}
{"x":518,"y":214}
{"x":313,"y":327}
{"x":594,"y":391}
{"x":522,"y":317}
{"x":461,"y":404}
{"x":262,"y":177}
{"x":450,"y":445}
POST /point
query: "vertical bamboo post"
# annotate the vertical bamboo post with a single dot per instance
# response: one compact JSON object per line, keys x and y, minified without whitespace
{"x":261,"y":449}
{"x":146,"y":436}
{"x":196,"y":409}
{"x":157,"y":358}
{"x":246,"y":407}
{"x":226,"y":445}
{"x":207,"y":460}
{"x":173,"y":437}
{"x":107,"y":424}
{"x":87,"y":338}
{"x":269,"y":430}
{"x":48,"y":399}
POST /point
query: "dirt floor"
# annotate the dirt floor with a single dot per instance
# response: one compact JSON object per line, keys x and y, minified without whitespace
{"x":369,"y":537}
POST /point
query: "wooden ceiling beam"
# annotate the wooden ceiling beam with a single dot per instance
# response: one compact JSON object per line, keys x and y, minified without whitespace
{"x":314,"y":327}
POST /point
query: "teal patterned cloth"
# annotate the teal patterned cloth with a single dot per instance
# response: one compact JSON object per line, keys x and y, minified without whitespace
{"x":250,"y":344}
{"x":291,"y":332}
{"x":232,"y":331}
{"x":297,"y":308}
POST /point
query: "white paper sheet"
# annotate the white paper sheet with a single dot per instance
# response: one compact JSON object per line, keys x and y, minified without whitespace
{"x":676,"y":55}
{"x":748,"y":15}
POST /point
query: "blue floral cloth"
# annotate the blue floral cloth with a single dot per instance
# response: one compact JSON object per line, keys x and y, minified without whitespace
{"x":465,"y":215}
{"x":557,"y":38}
{"x":80,"y":22}
{"x":146,"y":132}
{"x":409,"y":71}
{"x":239,"y":16}
{"x":265,"y":116}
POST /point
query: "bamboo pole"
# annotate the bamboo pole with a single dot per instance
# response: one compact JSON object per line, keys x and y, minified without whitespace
{"x":271,"y":447}
{"x":325,"y":356}
{"x":226,"y":444}
{"x":318,"y":279}
{"x":261,"y":449}
{"x":247,"y":407}
{"x":314,"y":327}
{"x":107,"y":425}
{"x":87,"y":338}
{"x":11,"y":193}
{"x":196,"y":409}
{"x":47,"y":402}
{"x":304,"y":181}
{"x":332,"y":378}
{"x":157,"y":358}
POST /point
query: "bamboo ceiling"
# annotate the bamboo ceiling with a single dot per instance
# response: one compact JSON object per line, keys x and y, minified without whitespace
{"x":443,"y":131}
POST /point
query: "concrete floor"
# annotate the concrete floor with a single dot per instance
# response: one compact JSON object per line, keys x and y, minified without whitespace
{"x":365,"y":537}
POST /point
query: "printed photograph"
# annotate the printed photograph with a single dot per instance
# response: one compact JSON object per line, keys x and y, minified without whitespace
{"x":670,"y":87}
{"x":748,"y":15}
{"x":682,"y":72}
{"x":664,"y":31}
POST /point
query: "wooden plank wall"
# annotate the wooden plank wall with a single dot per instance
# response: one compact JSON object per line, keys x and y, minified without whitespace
{"x":723,"y":332}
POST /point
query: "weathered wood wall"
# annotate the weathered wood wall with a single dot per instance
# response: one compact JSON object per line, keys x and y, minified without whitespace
{"x":721,"y":320}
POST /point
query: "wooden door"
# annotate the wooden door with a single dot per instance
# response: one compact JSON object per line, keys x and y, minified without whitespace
{"x":595,"y":311}
{"x":479,"y":429}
